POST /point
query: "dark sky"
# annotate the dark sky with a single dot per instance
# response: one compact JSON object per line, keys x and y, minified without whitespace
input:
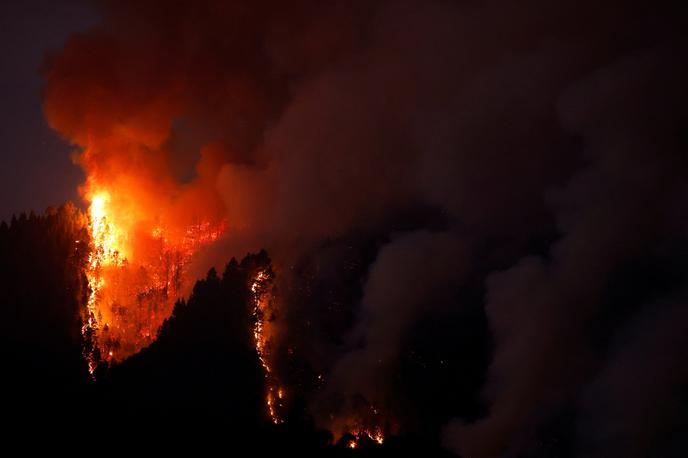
{"x":35,"y":166}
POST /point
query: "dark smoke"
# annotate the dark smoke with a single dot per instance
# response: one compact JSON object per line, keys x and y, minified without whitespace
{"x":517,"y":168}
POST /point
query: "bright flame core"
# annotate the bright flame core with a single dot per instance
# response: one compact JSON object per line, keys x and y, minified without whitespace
{"x":132,"y":292}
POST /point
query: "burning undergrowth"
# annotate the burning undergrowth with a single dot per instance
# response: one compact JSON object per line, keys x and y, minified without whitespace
{"x":136,"y":272}
{"x":263,"y":314}
{"x":130,"y":298}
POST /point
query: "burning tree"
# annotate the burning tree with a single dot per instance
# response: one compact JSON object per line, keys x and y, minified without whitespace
{"x":135,"y":275}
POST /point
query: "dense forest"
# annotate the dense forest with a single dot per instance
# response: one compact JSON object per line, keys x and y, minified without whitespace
{"x":42,"y":284}
{"x":200,"y":381}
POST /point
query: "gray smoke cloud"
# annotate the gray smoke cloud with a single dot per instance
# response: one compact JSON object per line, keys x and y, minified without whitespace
{"x":544,"y":311}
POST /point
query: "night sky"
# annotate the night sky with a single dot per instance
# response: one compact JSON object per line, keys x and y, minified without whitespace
{"x":472,"y":216}
{"x":35,"y":168}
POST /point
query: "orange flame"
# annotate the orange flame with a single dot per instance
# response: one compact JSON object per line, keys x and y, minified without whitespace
{"x":134,"y":278}
{"x":262,"y":307}
{"x":374,"y":434}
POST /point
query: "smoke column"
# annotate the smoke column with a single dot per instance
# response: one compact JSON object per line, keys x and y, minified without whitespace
{"x":496,"y":147}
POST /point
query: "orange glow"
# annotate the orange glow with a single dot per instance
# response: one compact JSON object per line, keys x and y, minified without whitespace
{"x":262,"y":336}
{"x":135,"y":275}
{"x":374,"y":434}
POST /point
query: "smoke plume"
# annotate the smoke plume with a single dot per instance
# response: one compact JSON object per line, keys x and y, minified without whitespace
{"x":503,"y":160}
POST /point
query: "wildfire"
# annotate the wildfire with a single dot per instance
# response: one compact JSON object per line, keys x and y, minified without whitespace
{"x":361,"y":426}
{"x":105,"y":249}
{"x":130,"y":296}
{"x":373,"y":434}
{"x":262,"y":307}
{"x":133,"y":290}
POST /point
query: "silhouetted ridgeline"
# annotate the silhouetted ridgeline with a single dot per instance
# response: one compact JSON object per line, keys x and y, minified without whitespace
{"x":200,"y":381}
{"x":202,"y":370}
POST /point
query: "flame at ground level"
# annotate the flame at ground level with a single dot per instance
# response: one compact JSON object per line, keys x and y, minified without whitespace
{"x":373,"y":435}
{"x":359,"y":425}
{"x":262,"y":312}
{"x":132,"y":291}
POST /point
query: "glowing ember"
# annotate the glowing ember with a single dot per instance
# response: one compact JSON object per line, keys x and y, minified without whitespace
{"x":262,"y":308}
{"x":373,"y":434}
{"x":134,"y":278}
